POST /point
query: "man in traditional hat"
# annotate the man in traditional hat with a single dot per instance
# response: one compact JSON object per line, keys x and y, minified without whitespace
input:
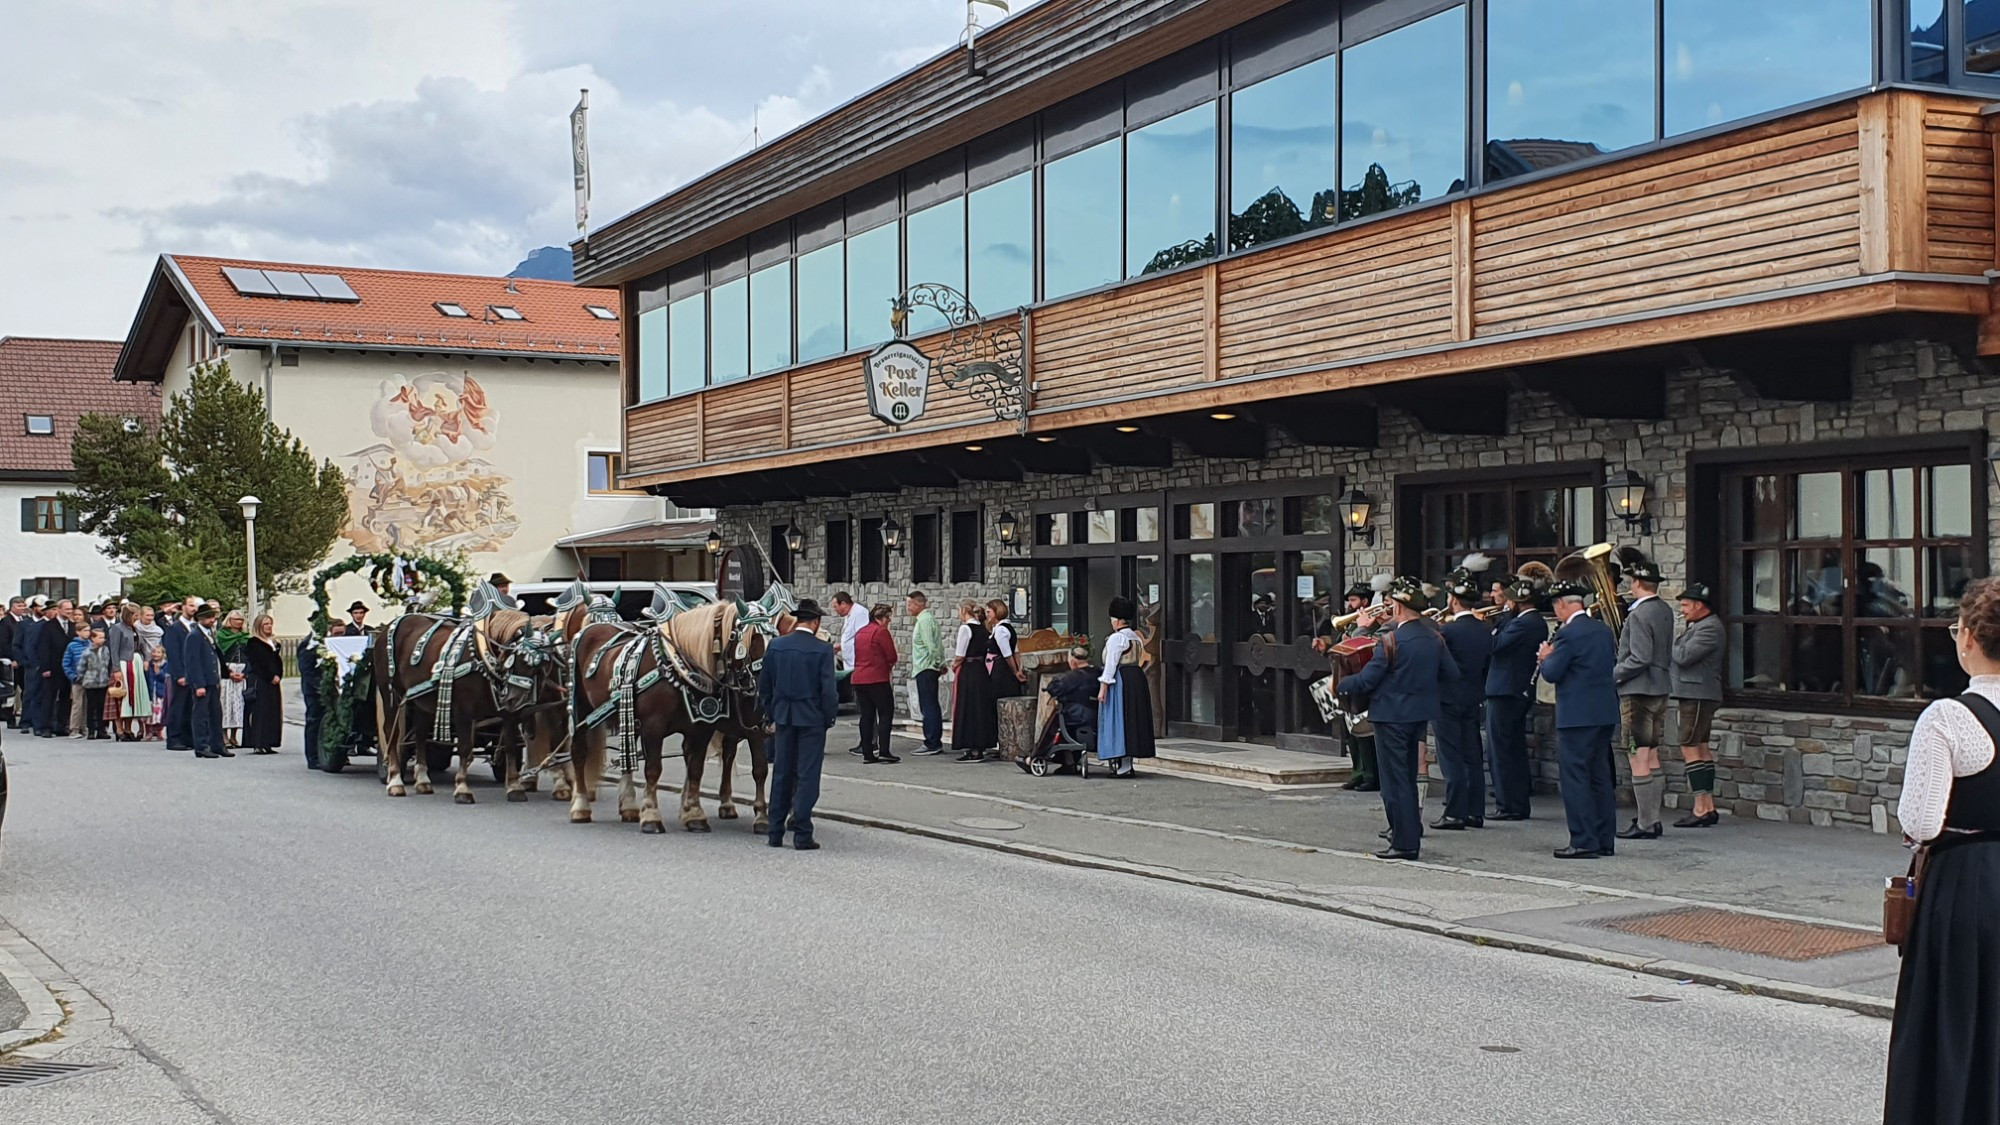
{"x":1510,"y":684}
{"x":202,"y":666}
{"x":27,"y":657}
{"x":1357,"y":736}
{"x":799,"y":697}
{"x":1579,"y":661}
{"x":502,"y":585}
{"x":358,"y":614}
{"x":1645,"y":677}
{"x":1403,"y":684}
{"x":1458,"y":744}
{"x":1697,"y":692}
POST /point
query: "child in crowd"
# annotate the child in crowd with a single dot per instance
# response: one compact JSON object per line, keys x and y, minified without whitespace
{"x":156,"y":685}
{"x":95,"y":678}
{"x":72,"y":669}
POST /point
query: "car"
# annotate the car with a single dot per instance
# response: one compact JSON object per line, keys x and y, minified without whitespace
{"x":631,"y":598}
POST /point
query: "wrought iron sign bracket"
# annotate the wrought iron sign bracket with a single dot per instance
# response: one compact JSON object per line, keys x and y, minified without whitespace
{"x":984,"y":358}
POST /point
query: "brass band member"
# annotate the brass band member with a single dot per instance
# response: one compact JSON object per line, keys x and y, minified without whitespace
{"x":1645,"y":677}
{"x":1458,"y":744}
{"x":1698,"y":655}
{"x":1510,"y":684}
{"x":1357,"y":735}
{"x":1578,"y":661}
{"x":1402,"y":683}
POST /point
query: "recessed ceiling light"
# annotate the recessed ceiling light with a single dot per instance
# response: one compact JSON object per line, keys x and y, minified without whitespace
{"x":974,"y":448}
{"x":1045,"y":440}
{"x":1223,"y":417}
{"x":1128,"y":429}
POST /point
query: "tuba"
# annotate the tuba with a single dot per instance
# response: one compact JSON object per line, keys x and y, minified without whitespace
{"x":1595,"y":567}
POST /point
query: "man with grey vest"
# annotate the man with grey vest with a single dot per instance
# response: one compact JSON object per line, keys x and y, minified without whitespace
{"x":1645,"y":676}
{"x":1697,"y":692}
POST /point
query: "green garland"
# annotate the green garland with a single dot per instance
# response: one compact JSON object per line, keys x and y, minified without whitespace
{"x":338,"y":699}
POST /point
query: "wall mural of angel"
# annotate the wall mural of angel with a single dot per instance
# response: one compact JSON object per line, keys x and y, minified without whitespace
{"x":427,"y":484}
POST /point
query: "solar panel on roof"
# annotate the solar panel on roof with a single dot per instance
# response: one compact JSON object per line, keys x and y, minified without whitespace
{"x":250,"y":283}
{"x":331,"y":287}
{"x":290,"y":284}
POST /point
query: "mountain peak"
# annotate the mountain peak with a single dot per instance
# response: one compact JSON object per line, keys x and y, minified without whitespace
{"x":548,"y":263}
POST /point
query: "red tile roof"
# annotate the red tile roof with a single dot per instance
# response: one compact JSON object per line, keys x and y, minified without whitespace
{"x":399,"y":307}
{"x":64,"y":379}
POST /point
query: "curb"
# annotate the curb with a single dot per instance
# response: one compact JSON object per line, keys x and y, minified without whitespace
{"x":1678,"y":971}
{"x":45,"y":1012}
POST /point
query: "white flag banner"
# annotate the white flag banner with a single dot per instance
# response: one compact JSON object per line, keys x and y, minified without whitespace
{"x":1000,"y":4}
{"x":579,"y":143}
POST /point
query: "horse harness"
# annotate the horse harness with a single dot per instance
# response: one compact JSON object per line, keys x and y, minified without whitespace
{"x":705,"y":697}
{"x":508,"y":668}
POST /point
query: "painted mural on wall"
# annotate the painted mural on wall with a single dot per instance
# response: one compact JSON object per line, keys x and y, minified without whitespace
{"x":427,"y":484}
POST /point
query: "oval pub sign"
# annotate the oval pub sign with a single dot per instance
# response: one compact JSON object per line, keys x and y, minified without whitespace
{"x":899,"y":379}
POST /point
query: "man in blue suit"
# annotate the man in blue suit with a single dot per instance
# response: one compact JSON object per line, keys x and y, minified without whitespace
{"x":201,"y":665}
{"x":1579,"y":661}
{"x":27,"y":657}
{"x":174,"y":634}
{"x":1470,"y":643}
{"x":1402,"y":683}
{"x":799,"y":698}
{"x":1509,"y":680}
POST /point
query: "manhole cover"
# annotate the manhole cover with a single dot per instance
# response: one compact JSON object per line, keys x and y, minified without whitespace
{"x":1747,"y":933}
{"x":988,"y":824}
{"x":40,"y":1073}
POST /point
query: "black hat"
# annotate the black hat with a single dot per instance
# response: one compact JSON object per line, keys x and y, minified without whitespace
{"x":1409,"y":592}
{"x":500,"y":579}
{"x":1644,"y":570}
{"x":206,"y":612}
{"x":1461,"y":584}
{"x":359,"y":606}
{"x":1699,"y":592}
{"x":807,"y":611}
{"x":1522,"y":590}
{"x":1122,"y":609}
{"x":1360,"y":590}
{"x":1570,"y":588}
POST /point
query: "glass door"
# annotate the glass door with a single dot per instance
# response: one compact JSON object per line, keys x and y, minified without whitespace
{"x":1193,"y":643}
{"x":1250,"y":615}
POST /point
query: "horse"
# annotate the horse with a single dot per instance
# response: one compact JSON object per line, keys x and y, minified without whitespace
{"x":501,"y":670}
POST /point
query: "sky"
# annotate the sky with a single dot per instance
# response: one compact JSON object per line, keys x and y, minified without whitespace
{"x":403,"y":134}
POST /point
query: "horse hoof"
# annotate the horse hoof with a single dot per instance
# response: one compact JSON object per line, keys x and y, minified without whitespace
{"x":397,"y":791}
{"x":560,"y":795}
{"x":629,"y":816}
{"x":528,"y":785}
{"x":517,"y":795}
{"x":761,"y":828}
{"x":579,"y":816}
{"x":726,"y":812}
{"x":696,"y":826}
{"x":461,"y":798}
{"x":652,"y":827}
{"x":425,"y":790}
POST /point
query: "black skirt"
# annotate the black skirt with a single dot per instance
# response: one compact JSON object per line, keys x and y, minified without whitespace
{"x":975,"y":721}
{"x":1944,"y":1050}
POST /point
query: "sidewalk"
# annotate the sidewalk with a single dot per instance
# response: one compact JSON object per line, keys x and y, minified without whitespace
{"x":1754,"y":905}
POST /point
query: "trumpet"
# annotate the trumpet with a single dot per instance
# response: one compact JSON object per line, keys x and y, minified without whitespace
{"x":1372,"y":612}
{"x":1483,"y":613}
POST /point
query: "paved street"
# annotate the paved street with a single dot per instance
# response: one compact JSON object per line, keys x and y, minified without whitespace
{"x":278,"y":946}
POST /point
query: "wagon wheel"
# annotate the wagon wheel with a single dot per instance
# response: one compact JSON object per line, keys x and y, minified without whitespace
{"x":438,"y":756}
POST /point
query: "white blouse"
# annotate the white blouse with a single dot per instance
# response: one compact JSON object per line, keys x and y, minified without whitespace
{"x":1115,"y":647}
{"x":1948,"y":742}
{"x":964,"y":639}
{"x":1003,"y":638}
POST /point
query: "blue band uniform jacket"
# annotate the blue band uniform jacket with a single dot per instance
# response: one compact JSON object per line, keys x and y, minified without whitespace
{"x":1402,"y":684}
{"x":1580,"y":665}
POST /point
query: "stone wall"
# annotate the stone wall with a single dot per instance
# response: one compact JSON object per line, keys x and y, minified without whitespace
{"x":1805,"y":767}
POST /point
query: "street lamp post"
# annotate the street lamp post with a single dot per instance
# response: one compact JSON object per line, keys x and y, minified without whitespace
{"x":249,"y":505}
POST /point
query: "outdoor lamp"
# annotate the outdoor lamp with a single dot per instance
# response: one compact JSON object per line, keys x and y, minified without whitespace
{"x":249,"y":504}
{"x":1628,"y":499}
{"x":713,"y":543}
{"x":892,"y":534}
{"x":1009,"y":528}
{"x":1996,"y":469}
{"x":1354,"y":509}
{"x":795,"y":541}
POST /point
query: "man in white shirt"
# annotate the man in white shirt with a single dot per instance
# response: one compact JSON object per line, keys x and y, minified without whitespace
{"x":854,"y":618}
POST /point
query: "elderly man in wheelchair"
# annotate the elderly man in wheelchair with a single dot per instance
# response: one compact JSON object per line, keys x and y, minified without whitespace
{"x":1069,"y":739}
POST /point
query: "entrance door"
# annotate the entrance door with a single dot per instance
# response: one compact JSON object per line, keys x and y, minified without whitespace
{"x":1250,"y":605}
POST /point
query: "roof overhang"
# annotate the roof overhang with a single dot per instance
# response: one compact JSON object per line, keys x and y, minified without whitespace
{"x":651,"y":533}
{"x":149,"y":344}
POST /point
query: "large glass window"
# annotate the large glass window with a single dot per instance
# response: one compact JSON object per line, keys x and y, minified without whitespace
{"x":1282,"y":148}
{"x":1982,"y":36}
{"x":1510,"y":522}
{"x":687,"y":343}
{"x":822,"y":303}
{"x":729,"y":331}
{"x":653,"y":354}
{"x":771,"y":318}
{"x":1170,"y":192}
{"x":1082,"y":195}
{"x":873,"y":280}
{"x":1928,"y":35}
{"x":1839,"y":579}
{"x":1403,"y":116}
{"x":1728,"y":59}
{"x":937,"y":254}
{"x":1544,"y":108}
{"x":1000,"y":219}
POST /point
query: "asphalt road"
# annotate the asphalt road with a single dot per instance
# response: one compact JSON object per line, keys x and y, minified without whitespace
{"x":285,"y":947}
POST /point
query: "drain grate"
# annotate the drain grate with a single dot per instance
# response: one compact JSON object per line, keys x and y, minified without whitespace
{"x":1747,"y":933}
{"x":17,"y":1074}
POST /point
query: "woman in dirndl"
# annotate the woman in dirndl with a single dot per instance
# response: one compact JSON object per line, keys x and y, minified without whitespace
{"x":1124,"y":701}
{"x":1944,"y":1048}
{"x":975,"y":717}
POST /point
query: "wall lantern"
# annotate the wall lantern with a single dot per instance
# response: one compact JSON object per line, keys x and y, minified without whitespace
{"x":1627,"y":492}
{"x":713,"y":543}
{"x":1354,"y":509}
{"x":1996,"y":470}
{"x":795,"y":541}
{"x":1009,"y":528}
{"x":892,"y":534}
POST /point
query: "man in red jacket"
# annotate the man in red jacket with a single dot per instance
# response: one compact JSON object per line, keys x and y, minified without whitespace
{"x":874,"y":666}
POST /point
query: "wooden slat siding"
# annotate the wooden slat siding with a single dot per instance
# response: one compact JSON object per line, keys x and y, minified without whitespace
{"x":661,"y":434}
{"x":829,"y":401}
{"x":743,"y":418}
{"x":1461,"y":270}
{"x":1377,"y":288}
{"x":1959,"y":185}
{"x":1769,"y":208}
{"x":1122,"y":342}
{"x":1211,"y":321}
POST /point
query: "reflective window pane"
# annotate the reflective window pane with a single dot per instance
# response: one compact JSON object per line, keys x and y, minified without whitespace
{"x":1817,"y":581}
{"x":1148,"y":527}
{"x":1816,"y":513}
{"x":1311,"y":515}
{"x":823,"y":302}
{"x":1948,"y":500}
{"x":687,"y":344}
{"x":1403,"y":116}
{"x":873,"y":281}
{"x":1584,"y":516}
{"x":1082,"y":195}
{"x":1538,"y":517}
{"x":1942,"y":675}
{"x":1886,"y":503}
{"x":771,"y":318}
{"x":1102,"y":526}
{"x":1885,"y":662}
{"x":1170,"y":192}
{"x":1282,"y":146}
{"x":1760,"y":510}
{"x":1000,"y":275}
{"x":1946,"y":571}
{"x":729,"y":331}
{"x":1982,"y":37}
{"x":1052,"y":529}
{"x":1727,"y":59}
{"x":1756,"y":657}
{"x":653,"y":354}
{"x":1886,"y":582}
{"x":1927,"y":40}
{"x":937,"y":255}
{"x":1547,"y":108}
{"x":1486,"y":521}
{"x":1818,"y":663}
{"x":1756,"y":587}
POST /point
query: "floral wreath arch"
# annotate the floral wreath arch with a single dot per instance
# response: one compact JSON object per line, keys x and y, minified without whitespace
{"x":338,"y":698}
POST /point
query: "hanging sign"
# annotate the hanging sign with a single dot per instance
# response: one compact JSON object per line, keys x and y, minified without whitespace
{"x":899,"y":378}
{"x":729,"y":583}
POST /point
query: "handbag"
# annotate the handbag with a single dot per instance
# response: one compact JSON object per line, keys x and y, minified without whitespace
{"x":1899,"y":901}
{"x":117,"y":688}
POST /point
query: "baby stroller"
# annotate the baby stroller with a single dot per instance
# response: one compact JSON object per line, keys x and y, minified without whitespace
{"x":1060,"y":748}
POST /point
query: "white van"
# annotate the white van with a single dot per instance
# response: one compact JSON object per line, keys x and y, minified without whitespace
{"x":631,"y":598}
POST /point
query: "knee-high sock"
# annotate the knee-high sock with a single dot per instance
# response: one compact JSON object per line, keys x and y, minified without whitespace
{"x":1701,"y":777}
{"x":1646,"y":793}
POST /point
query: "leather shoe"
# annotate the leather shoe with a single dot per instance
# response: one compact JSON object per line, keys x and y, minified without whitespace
{"x":1384,"y":834}
{"x":225,"y":752}
{"x":889,"y":758}
{"x":206,"y":754}
{"x":1508,"y":816}
{"x":775,"y":841}
{"x":1352,"y":782}
{"x":1634,"y":832}
{"x":1395,"y":853}
{"x":1369,"y":787}
{"x":806,"y":845}
{"x":1607,"y":853}
{"x":1575,"y":853}
{"x":1448,"y":824}
{"x":872,"y":760}
{"x":1693,"y":821}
